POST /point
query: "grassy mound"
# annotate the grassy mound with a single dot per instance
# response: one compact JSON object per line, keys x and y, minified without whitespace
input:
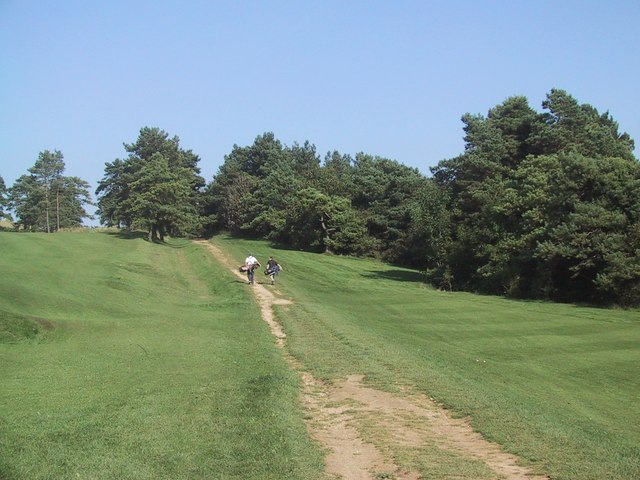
{"x":14,"y":327}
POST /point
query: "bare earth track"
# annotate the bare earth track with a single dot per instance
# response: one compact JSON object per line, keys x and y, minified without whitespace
{"x":338,"y":414}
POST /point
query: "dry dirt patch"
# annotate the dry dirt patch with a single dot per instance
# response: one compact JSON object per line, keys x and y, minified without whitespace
{"x":337,"y":415}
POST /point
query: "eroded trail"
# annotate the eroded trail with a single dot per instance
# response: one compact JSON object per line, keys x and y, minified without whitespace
{"x":366,"y":430}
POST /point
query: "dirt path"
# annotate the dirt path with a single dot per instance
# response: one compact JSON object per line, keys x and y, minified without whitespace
{"x":342,"y":416}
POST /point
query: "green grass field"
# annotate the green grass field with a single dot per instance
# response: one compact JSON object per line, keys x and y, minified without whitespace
{"x":125,"y":359}
{"x":558,"y":385}
{"x":121,"y":359}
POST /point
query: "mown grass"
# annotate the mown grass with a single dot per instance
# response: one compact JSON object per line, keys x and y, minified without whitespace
{"x":556,"y":384}
{"x":125,"y":359}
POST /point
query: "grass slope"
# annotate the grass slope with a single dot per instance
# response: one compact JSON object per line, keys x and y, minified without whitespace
{"x":556,"y":384}
{"x":125,"y":359}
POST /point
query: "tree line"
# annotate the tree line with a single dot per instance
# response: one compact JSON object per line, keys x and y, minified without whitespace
{"x":539,"y":205}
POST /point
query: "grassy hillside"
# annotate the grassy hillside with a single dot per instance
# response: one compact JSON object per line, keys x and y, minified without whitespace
{"x":556,"y":384}
{"x":125,"y":359}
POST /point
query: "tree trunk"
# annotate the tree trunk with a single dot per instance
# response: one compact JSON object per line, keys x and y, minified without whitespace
{"x":57,"y":209}
{"x":46,"y":192}
{"x":326,"y":239}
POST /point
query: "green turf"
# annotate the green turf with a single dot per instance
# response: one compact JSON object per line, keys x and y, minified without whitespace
{"x":558,"y":385}
{"x":123,"y":359}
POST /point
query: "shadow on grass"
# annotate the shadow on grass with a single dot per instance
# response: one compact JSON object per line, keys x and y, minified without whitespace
{"x":274,"y":245}
{"x":140,"y":235}
{"x":277,"y":246}
{"x":397,"y":275}
{"x":128,"y":234}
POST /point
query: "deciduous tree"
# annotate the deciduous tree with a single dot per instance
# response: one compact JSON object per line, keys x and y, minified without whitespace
{"x":314,"y":219}
{"x":430,"y":233}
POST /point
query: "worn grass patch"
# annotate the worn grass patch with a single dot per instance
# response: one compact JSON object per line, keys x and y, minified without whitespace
{"x":15,"y":328}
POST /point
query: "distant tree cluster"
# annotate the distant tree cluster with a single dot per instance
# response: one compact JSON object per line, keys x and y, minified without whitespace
{"x":45,"y":200}
{"x":539,"y":205}
{"x":342,"y":205}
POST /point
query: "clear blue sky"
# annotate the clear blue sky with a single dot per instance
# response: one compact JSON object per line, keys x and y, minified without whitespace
{"x":389,"y":78}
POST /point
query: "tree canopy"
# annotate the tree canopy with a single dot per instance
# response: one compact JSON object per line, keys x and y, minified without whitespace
{"x":158,"y":187}
{"x":544,"y":205}
{"x":45,"y":200}
{"x":540,"y":204}
{"x":288,"y":195}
